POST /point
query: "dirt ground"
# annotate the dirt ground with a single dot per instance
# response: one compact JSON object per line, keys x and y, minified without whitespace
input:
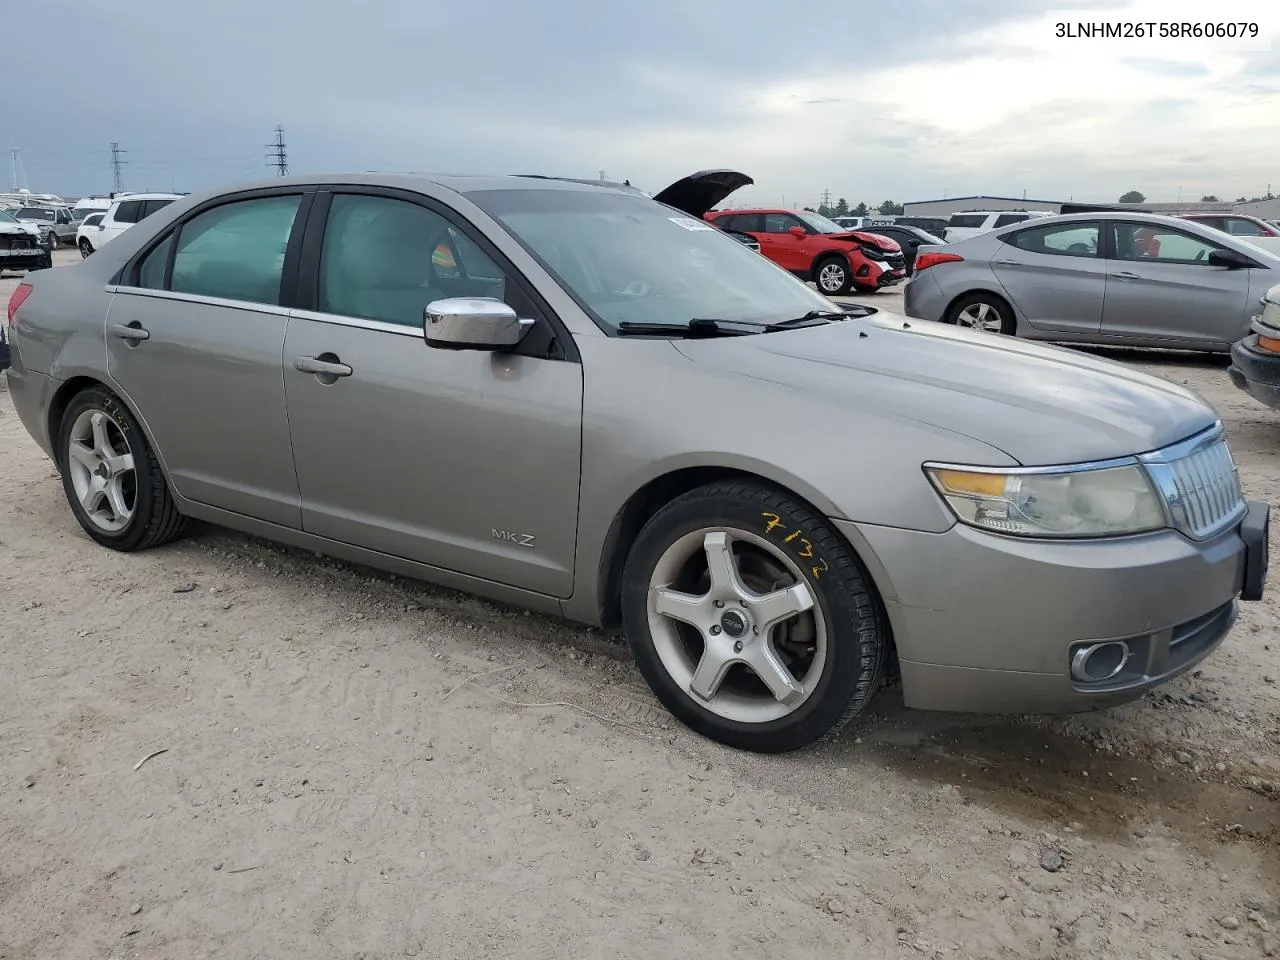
{"x":359,"y":766}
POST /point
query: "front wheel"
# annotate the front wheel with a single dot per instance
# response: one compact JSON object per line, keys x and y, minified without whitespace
{"x":111,"y":476}
{"x":832,"y":276}
{"x":86,"y":248}
{"x":751,"y":620}
{"x":53,"y":241}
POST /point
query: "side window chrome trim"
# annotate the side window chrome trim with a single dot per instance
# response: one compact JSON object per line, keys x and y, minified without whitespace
{"x":341,"y":320}
{"x":199,"y":298}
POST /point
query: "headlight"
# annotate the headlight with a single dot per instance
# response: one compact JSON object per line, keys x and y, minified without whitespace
{"x":1109,"y":501}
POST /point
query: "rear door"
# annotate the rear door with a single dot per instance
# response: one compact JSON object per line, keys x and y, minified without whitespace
{"x":1161,"y":286}
{"x":461,"y":459}
{"x":195,"y":334}
{"x":1055,"y":275}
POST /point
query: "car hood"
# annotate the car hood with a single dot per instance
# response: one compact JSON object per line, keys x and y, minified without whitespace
{"x":1041,"y":405}
{"x":12,"y":228}
{"x":699,"y":192}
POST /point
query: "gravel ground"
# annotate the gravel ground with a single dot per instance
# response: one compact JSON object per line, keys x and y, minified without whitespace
{"x":359,"y":766}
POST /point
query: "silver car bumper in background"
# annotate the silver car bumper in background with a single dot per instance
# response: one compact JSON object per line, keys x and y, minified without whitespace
{"x":985,"y":623}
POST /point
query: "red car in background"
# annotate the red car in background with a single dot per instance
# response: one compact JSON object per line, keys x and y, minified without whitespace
{"x":814,"y":248}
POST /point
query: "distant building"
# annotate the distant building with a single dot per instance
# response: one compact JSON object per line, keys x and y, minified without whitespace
{"x":1266,"y":209}
{"x":950,"y":205}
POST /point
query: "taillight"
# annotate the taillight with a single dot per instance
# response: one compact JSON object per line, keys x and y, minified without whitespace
{"x":19,"y":296}
{"x":926,"y":260}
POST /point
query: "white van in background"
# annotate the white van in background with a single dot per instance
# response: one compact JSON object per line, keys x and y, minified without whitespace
{"x":972,"y":222}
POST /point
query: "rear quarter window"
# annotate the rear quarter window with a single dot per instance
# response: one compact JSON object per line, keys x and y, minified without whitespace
{"x":1007,"y":218}
{"x":967,"y":220}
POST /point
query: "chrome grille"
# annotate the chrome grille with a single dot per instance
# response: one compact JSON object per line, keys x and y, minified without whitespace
{"x":1200,"y":485}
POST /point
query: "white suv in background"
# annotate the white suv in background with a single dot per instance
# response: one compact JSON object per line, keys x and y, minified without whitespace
{"x":123,"y":213}
{"x":972,"y":222}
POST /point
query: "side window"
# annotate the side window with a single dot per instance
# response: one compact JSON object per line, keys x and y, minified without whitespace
{"x":151,"y":206}
{"x":1159,"y":244}
{"x":1243,"y":228}
{"x":92,"y":220}
{"x":151,"y":267}
{"x":386,"y":259}
{"x":1062,"y":240}
{"x":128,"y":211}
{"x":236,"y":250}
{"x":779,"y":222}
{"x":966,"y":220}
{"x":741,"y":222}
{"x":1005,"y":219}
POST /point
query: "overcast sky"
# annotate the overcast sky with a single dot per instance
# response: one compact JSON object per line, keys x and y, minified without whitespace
{"x":909,"y":99}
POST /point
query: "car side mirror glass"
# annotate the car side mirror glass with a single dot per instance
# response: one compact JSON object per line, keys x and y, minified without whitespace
{"x":473,"y":323}
{"x":1229,"y":259}
{"x":796,"y":231}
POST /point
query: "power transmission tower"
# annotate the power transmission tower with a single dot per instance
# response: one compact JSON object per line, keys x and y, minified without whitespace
{"x":117,"y":182}
{"x":17,"y":175}
{"x":278,"y":153}
{"x":826,"y":199}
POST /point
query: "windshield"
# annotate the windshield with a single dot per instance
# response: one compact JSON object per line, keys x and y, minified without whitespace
{"x":927,"y":237}
{"x":32,"y":213}
{"x":627,"y":259}
{"x":79,"y":213}
{"x":820,"y":224}
{"x":6,"y":218}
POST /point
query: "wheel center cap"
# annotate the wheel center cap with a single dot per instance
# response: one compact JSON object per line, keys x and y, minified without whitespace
{"x":103,"y":471}
{"x":733,"y":623}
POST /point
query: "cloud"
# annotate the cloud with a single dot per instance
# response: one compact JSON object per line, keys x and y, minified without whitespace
{"x":966,"y":96}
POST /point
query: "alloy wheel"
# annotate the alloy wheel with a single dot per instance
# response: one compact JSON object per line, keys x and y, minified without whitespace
{"x":736,"y":625}
{"x":981,"y":316}
{"x":102,"y":471}
{"x":831,"y":277}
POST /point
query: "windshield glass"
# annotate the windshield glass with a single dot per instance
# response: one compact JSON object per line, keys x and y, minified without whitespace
{"x":33,"y":213}
{"x":820,"y":224}
{"x":79,"y":213}
{"x":927,"y":237}
{"x":629,"y":259}
{"x":6,"y":218}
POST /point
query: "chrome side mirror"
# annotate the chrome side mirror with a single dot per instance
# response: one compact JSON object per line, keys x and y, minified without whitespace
{"x":472,"y":323}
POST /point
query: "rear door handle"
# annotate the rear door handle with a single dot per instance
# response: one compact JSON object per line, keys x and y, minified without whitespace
{"x":316,"y":365}
{"x":130,"y":331}
{"x":1126,"y":275}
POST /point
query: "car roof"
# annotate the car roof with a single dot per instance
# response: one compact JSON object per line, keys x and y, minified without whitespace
{"x":148,"y":196}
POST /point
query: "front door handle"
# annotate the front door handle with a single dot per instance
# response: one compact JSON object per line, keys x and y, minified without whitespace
{"x":1009,"y":263}
{"x":316,"y":365}
{"x":1125,"y":275}
{"x":130,"y":331}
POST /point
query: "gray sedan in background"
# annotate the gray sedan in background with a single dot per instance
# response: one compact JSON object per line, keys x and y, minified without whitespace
{"x":1100,"y":278}
{"x":577,"y":399}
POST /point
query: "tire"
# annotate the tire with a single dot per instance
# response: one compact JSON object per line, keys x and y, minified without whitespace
{"x":865,"y":290}
{"x":54,"y":242}
{"x":86,"y":247}
{"x":832,"y":276}
{"x":132,"y":508}
{"x":827,"y":658}
{"x":983,"y":311}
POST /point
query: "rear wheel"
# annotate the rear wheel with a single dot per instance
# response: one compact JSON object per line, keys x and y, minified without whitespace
{"x":751,"y":619}
{"x":86,"y":247}
{"x":54,"y":242}
{"x":832,"y":276}
{"x":111,"y":476}
{"x":982,"y":311}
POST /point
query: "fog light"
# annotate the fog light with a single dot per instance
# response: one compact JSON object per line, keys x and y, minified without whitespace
{"x":1096,"y":662}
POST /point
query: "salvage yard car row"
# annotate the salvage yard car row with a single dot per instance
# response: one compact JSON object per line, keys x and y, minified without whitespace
{"x":623,"y":415}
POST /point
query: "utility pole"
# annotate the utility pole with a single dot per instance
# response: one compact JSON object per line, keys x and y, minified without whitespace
{"x":278,"y":155}
{"x":117,"y":183}
{"x":17,"y":176}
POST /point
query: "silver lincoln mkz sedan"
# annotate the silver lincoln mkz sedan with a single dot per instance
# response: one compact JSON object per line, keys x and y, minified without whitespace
{"x":580,"y":400}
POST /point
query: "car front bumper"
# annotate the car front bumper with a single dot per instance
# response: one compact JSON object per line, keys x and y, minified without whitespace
{"x":990,"y":624}
{"x":1255,"y":371}
{"x":35,"y":258}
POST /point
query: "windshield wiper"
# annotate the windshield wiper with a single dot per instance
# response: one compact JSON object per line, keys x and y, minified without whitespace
{"x":812,"y":317}
{"x":695,"y":329}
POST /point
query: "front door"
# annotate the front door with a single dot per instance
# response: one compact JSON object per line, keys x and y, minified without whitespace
{"x":780,"y":245}
{"x":464,"y":460}
{"x":1160,"y":285}
{"x":1055,"y":275}
{"x":195,"y":345}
